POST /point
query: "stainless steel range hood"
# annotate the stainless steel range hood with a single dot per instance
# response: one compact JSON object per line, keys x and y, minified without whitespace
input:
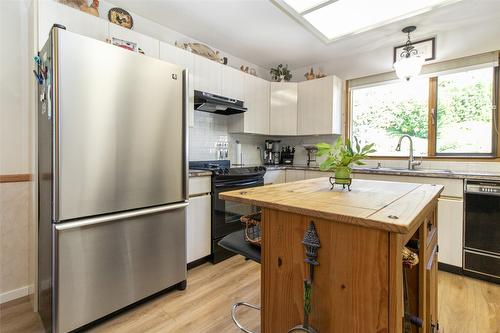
{"x":212,"y":103}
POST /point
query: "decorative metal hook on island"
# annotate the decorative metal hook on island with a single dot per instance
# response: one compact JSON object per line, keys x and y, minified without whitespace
{"x":311,"y":244}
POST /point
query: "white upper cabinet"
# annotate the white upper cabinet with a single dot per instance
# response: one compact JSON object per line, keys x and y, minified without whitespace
{"x":207,"y":75}
{"x":283,"y":108}
{"x":320,"y":106}
{"x":150,"y":46}
{"x":175,"y":55}
{"x":233,"y":83}
{"x":51,"y":12}
{"x":256,"y":119}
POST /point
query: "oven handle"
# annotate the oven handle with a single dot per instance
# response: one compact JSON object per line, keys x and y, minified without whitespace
{"x":238,"y":183}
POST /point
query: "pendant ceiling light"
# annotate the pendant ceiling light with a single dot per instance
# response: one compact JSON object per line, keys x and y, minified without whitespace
{"x":409,"y":63}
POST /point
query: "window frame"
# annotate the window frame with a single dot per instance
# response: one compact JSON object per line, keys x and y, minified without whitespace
{"x":432,"y":124}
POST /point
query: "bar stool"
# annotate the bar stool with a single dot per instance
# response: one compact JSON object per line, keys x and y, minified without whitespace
{"x":235,"y":242}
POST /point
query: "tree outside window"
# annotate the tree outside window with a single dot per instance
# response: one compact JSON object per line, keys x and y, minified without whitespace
{"x":382,"y":113}
{"x":464,"y":112}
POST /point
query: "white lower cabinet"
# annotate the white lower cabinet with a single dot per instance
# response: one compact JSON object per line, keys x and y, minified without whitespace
{"x":316,"y":174}
{"x":295,"y":175}
{"x":274,"y":177}
{"x":450,"y":230}
{"x":198,"y":227}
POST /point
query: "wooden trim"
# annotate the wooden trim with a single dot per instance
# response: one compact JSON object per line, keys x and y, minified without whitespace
{"x":347,"y":124}
{"x":395,"y":283}
{"x":432,"y":117}
{"x":16,"y":178}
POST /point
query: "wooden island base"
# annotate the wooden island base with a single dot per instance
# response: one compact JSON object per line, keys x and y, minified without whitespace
{"x":358,"y":285}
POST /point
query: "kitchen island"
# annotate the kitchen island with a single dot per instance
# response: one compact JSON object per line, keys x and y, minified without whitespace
{"x":358,"y":284}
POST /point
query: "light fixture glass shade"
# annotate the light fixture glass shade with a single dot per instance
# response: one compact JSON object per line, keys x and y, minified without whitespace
{"x":408,"y":67}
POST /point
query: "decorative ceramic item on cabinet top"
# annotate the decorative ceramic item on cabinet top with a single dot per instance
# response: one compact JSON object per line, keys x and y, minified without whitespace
{"x":74,"y":3}
{"x":121,"y":17}
{"x":202,"y":50}
{"x":83,"y":6}
{"x":93,"y":9}
{"x":311,"y":76}
{"x":281,"y":73}
{"x":340,"y":157}
{"x":248,"y":70}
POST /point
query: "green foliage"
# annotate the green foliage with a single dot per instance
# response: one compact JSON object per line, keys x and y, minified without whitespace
{"x":466,"y":103}
{"x":409,"y":118}
{"x":343,"y":155}
{"x":279,"y":72}
{"x":456,"y":104}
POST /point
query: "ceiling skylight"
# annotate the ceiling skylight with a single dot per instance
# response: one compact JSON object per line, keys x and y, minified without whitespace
{"x":301,"y":6}
{"x":335,"y":19}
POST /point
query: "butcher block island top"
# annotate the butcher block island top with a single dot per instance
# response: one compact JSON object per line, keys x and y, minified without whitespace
{"x":390,"y":206}
{"x":359,"y":280}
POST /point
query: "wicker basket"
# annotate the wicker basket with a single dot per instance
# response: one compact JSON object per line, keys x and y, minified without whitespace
{"x":252,"y":228}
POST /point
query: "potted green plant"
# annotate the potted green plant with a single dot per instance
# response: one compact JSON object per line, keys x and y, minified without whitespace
{"x":340,"y":156}
{"x":281,"y":73}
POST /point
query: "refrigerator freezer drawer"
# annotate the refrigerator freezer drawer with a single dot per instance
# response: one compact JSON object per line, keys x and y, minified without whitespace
{"x":105,"y":264}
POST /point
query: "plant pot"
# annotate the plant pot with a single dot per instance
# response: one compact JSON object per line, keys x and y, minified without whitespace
{"x":343,"y":175}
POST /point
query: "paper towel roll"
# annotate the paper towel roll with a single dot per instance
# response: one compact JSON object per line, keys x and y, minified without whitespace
{"x":238,"y":152}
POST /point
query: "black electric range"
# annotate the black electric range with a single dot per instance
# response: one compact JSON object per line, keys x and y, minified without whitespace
{"x":225,"y":214}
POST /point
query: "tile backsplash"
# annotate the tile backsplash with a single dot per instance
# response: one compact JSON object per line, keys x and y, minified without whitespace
{"x":211,"y":130}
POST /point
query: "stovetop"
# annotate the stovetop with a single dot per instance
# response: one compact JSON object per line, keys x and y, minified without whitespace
{"x":223,"y":168}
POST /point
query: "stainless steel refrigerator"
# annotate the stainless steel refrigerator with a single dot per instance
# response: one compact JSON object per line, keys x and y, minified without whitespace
{"x":112,"y":171}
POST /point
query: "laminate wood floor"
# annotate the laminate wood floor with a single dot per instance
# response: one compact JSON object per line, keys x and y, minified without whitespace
{"x":465,"y":305}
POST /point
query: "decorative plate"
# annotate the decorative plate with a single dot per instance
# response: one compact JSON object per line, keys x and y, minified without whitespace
{"x":121,"y":17}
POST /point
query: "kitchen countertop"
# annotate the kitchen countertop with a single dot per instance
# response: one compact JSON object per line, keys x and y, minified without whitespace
{"x":199,"y":173}
{"x":403,"y":172}
{"x":394,"y":206}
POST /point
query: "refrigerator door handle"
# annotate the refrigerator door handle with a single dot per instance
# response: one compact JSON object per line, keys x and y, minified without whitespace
{"x":119,"y":216}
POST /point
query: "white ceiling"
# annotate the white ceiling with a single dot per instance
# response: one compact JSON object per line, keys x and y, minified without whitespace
{"x":260,"y":32}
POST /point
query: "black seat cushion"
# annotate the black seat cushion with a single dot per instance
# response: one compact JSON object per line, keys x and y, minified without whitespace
{"x":235,"y":242}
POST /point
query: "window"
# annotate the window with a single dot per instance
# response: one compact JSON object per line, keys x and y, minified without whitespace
{"x":464,"y":113}
{"x":445,"y":115}
{"x":382,"y":113}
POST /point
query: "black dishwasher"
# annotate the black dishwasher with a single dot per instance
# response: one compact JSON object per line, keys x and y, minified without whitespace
{"x":482,"y":230}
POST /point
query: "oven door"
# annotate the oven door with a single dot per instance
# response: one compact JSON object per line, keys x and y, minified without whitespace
{"x":226,"y":214}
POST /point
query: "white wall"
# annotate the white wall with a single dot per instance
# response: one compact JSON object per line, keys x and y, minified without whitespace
{"x":16,"y":242}
{"x":14,"y":85}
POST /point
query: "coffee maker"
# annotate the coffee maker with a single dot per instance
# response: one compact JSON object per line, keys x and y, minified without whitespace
{"x":272,"y":152}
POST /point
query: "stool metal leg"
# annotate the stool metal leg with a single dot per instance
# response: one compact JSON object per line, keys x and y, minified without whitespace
{"x":233,"y":314}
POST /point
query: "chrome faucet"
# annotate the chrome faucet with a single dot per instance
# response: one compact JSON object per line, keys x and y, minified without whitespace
{"x":412,"y":163}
